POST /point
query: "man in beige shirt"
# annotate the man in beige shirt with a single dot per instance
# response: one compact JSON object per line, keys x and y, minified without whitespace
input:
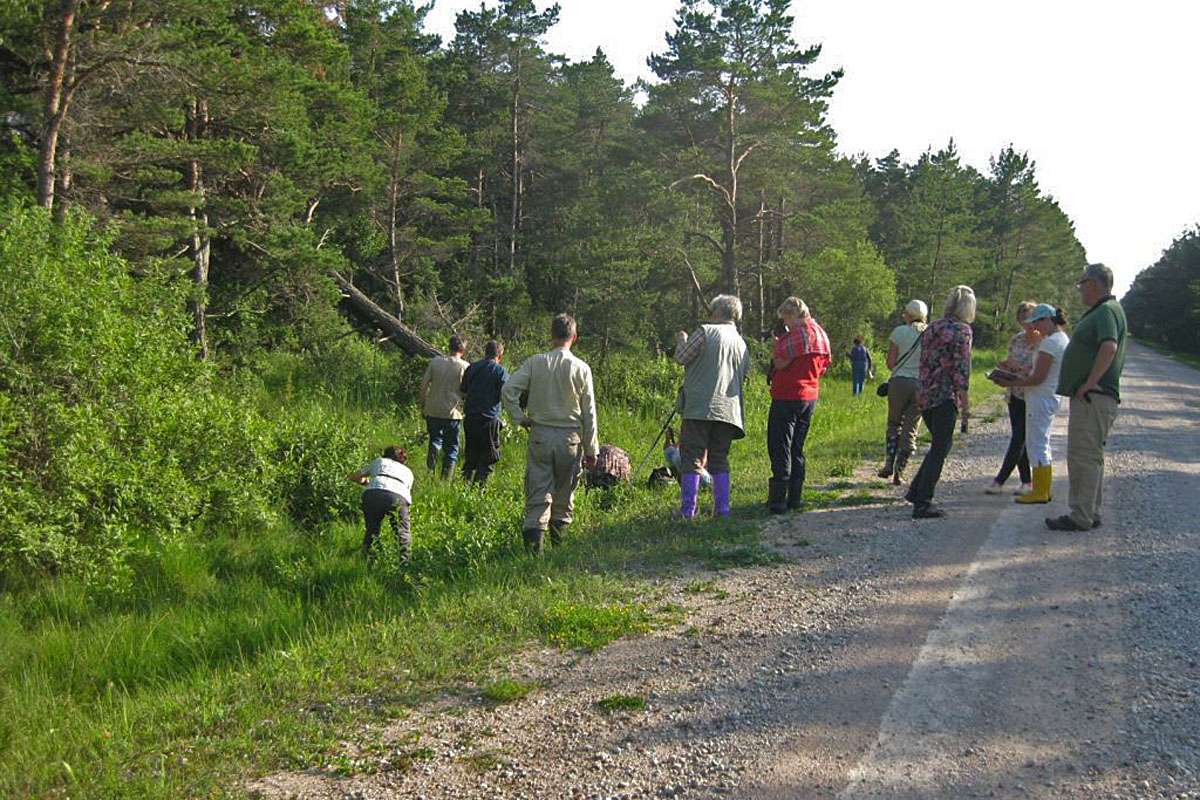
{"x":442,"y":404}
{"x":560,"y":415}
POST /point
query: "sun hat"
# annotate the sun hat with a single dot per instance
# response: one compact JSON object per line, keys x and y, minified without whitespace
{"x":1041,"y":311}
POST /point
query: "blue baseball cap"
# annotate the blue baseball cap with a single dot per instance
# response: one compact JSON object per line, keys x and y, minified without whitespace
{"x":1041,"y":311}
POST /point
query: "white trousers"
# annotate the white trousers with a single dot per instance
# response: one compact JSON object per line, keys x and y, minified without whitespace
{"x":1039,"y":416}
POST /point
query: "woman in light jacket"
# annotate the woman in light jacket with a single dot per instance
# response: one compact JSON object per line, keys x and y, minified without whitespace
{"x":716,"y":363}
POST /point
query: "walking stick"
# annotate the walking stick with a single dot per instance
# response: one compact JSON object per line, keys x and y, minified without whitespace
{"x":661,"y":431}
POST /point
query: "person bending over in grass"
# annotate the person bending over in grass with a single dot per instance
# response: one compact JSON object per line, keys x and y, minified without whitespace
{"x":388,"y":482}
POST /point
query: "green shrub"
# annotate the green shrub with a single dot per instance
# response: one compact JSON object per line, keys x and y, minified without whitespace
{"x":114,"y":437}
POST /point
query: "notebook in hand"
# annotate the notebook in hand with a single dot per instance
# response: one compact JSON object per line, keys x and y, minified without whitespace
{"x":998,"y":375}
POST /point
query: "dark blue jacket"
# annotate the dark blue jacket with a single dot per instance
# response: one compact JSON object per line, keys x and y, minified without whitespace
{"x":481,"y":385}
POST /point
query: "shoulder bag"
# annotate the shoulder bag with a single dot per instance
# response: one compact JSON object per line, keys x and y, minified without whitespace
{"x":882,"y":389}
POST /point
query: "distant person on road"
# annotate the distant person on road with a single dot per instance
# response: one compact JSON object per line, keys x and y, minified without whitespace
{"x":1041,"y":401}
{"x":1091,"y":377}
{"x":441,"y":401}
{"x":904,"y":416}
{"x":801,"y":356}
{"x":716,"y":364}
{"x":1019,"y":362}
{"x":388,"y":494}
{"x":861,"y":365}
{"x":945,"y":380}
{"x":561,"y":418}
{"x":482,"y":383}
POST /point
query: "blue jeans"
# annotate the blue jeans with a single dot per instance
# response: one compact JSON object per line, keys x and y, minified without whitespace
{"x":443,"y":439}
{"x":859,"y":377}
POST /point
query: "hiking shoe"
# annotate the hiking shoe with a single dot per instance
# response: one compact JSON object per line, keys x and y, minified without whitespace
{"x":1063,"y":523}
{"x":994,"y":488}
{"x":1024,"y":488}
{"x":1095,"y":523}
{"x":927,"y":511}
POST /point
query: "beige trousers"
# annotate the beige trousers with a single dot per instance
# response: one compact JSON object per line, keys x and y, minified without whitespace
{"x":1087,"y":431}
{"x":552,"y":469}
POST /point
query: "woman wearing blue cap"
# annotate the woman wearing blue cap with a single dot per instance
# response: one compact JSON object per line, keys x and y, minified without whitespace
{"x":1041,"y":401}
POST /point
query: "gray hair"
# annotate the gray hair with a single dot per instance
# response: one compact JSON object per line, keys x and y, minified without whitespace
{"x":794,"y":306}
{"x":960,"y":303}
{"x":916,"y":311}
{"x":726,"y":308}
{"x":1099,"y":273}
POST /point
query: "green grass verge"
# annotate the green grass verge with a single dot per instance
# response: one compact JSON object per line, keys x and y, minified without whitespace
{"x":252,"y":651}
{"x":621,"y":702}
{"x":1191,"y":359}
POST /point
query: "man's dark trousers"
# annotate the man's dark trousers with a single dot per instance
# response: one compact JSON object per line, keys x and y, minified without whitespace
{"x":483,"y":447}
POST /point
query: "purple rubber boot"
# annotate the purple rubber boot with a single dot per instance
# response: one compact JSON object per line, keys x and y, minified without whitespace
{"x":689,"y":486}
{"x":721,"y":494}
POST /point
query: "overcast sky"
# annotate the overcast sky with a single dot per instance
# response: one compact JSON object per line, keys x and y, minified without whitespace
{"x":1101,"y":93}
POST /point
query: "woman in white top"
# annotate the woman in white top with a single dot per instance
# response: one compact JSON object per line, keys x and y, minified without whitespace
{"x":904,"y":360}
{"x":1041,"y":399}
{"x":388,"y":482}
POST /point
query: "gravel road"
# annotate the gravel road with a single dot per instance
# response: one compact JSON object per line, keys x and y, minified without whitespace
{"x":976,"y":656}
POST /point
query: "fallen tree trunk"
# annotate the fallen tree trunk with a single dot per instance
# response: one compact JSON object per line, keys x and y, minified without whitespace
{"x":397,"y":331}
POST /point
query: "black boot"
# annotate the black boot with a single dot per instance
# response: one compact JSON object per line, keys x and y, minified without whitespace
{"x":557,"y":531}
{"x":533,"y":540}
{"x":795,"y":494}
{"x":777,"y":496}
{"x":889,"y":464}
{"x":901,"y":463}
{"x":431,"y":457}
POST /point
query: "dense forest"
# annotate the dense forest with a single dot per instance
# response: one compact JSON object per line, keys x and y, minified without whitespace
{"x":271,"y":155}
{"x":193,"y":188}
{"x":1164,"y":302}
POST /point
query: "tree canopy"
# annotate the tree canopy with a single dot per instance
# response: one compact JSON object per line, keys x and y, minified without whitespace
{"x":298,"y":167}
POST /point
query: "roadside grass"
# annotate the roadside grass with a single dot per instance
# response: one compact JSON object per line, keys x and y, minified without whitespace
{"x":507,"y":690}
{"x":621,"y":702}
{"x":246,"y":652}
{"x":1191,"y":359}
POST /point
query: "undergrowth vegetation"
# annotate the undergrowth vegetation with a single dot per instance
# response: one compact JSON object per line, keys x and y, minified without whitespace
{"x":184,"y":599}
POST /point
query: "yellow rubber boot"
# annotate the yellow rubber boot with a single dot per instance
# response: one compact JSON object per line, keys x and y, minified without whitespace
{"x":1043,"y":476}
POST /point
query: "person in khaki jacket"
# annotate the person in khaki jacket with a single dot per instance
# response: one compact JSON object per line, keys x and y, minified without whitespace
{"x":560,"y":416}
{"x":442,"y":404}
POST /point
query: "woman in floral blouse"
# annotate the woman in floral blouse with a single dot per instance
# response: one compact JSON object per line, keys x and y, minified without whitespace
{"x":945,"y":378}
{"x":1019,"y":362}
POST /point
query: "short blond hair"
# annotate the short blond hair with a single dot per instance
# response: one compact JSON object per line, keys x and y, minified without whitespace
{"x":1023,"y":309}
{"x":793,"y":306}
{"x":960,"y":303}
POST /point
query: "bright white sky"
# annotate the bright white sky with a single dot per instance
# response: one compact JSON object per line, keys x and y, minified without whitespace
{"x":1101,"y":93}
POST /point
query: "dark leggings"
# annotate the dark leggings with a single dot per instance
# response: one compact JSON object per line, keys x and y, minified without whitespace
{"x":1016,"y":456}
{"x":377,"y":504}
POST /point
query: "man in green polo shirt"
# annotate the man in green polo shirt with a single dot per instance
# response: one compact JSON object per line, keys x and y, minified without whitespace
{"x":1091,"y":377}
